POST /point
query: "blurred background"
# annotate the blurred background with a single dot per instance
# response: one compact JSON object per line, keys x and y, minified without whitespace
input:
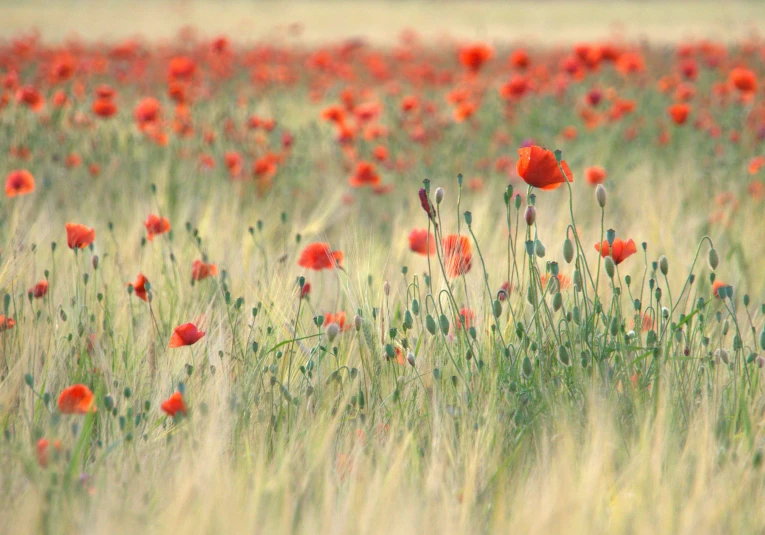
{"x":379,"y":21}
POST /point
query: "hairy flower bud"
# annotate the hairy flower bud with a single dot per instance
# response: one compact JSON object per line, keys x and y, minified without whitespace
{"x":439,"y":195}
{"x":600,"y":195}
{"x":530,"y":215}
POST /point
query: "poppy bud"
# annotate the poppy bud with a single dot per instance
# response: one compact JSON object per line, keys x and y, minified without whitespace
{"x":430,"y":324}
{"x":439,"y":195}
{"x":563,"y":355}
{"x":568,"y":251}
{"x":357,"y":322}
{"x":557,"y":301}
{"x":600,"y":195}
{"x":578,"y":278}
{"x":497,"y":308}
{"x":609,"y":265}
{"x":444,"y":321}
{"x":614,"y":326}
{"x":762,"y":340}
{"x":518,"y":201}
{"x":410,"y":359}
{"x":721,"y":355}
{"x":333,"y":329}
{"x":664,"y":264}
{"x":468,"y":219}
{"x":760,"y":362}
{"x":415,"y":307}
{"x":94,"y":261}
{"x":530,"y":215}
{"x":526,"y":367}
{"x":386,"y":288}
{"x":713,"y":258}
{"x":610,"y":237}
{"x":539,"y":249}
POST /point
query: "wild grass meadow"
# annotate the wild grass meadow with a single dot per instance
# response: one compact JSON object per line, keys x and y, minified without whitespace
{"x":486,"y":283}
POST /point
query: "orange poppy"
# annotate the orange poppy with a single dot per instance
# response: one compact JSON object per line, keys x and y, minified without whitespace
{"x":318,"y":256}
{"x":185,"y":335}
{"x":139,"y":287}
{"x":717,"y":286}
{"x":621,"y":250}
{"x":755,"y":164}
{"x":174,"y":405}
{"x":19,"y":182}
{"x":30,"y":97}
{"x":364,"y":175}
{"x":539,"y":168}
{"x":337,"y":317}
{"x":457,"y":255}
{"x":181,"y":67}
{"x":422,"y":242}
{"x":595,"y":175}
{"x":79,"y":236}
{"x":39,"y":290}
{"x":156,"y":225}
{"x":104,"y":107}
{"x":743,"y":79}
{"x":472,"y":57}
{"x":6,"y":323}
{"x":465,"y":318}
{"x":147,"y":111}
{"x":679,"y":113}
{"x":200,"y":270}
{"x":76,"y":399}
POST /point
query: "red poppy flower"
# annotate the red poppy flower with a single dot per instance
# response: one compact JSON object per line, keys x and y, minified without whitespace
{"x":337,"y":317}
{"x":364,"y":175}
{"x":200,"y":270}
{"x":174,"y":405}
{"x":457,"y":255}
{"x":19,"y":182}
{"x":305,"y":290}
{"x":77,"y":399}
{"x":181,"y":67}
{"x":30,"y":97}
{"x":155,"y":226}
{"x":539,"y":168}
{"x":621,"y":250}
{"x":104,"y":107}
{"x":465,"y":318}
{"x":39,"y":289}
{"x":422,"y":242}
{"x":679,"y":113}
{"x":743,"y":79}
{"x":6,"y":323}
{"x":563,"y":280}
{"x":595,"y":175}
{"x":105,"y":91}
{"x":318,"y":256}
{"x":139,"y":287}
{"x":79,"y":236}
{"x":473,"y":57}
{"x":185,"y":335}
{"x":147,"y":111}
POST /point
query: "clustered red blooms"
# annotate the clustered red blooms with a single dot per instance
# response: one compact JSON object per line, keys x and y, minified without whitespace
{"x":383,"y":107}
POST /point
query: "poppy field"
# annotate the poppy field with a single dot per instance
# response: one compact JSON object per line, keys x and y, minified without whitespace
{"x":461,"y":286}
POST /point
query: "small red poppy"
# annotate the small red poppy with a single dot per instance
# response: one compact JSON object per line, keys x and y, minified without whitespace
{"x":621,"y":250}
{"x":318,"y":256}
{"x":19,"y":182}
{"x":174,"y":405}
{"x":79,"y":236}
{"x":76,"y":399}
{"x":185,"y":335}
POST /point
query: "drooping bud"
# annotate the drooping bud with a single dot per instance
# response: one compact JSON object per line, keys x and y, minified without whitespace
{"x":721,"y":355}
{"x":357,"y":322}
{"x":386,"y":288}
{"x":539,"y":249}
{"x":439,"y":195}
{"x":568,"y":251}
{"x":526,"y":367}
{"x":664,"y":264}
{"x":410,"y":359}
{"x":333,"y":329}
{"x":497,"y":308}
{"x":600,"y":195}
{"x":608,"y":263}
{"x":430,"y":324}
{"x":94,"y":261}
{"x":563,"y":356}
{"x":713,"y":258}
{"x":557,"y":301}
{"x":530,"y":215}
